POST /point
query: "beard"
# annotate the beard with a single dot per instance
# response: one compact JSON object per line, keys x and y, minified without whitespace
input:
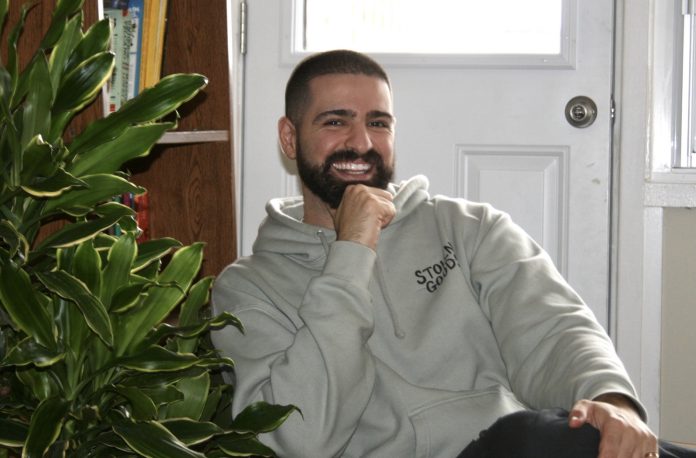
{"x":320,"y":180}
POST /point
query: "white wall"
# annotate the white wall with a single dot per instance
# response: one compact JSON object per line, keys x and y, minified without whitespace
{"x":678,"y":375}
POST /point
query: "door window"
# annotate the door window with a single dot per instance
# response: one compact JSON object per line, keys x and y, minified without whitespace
{"x":504,"y":32}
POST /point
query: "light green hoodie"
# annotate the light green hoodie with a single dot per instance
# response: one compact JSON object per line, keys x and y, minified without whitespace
{"x":456,"y":320}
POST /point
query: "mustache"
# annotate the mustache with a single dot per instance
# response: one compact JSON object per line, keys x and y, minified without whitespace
{"x":371,"y":157}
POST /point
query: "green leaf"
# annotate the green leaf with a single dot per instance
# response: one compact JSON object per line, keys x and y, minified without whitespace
{"x":160,"y":302}
{"x":64,"y":9}
{"x":4,"y":6}
{"x":39,"y":381}
{"x":96,"y":40}
{"x":135,"y":141}
{"x":151,"y":439}
{"x":128,"y":296}
{"x":162,"y":98}
{"x":29,"y":352}
{"x":195,"y":391}
{"x":54,"y":185}
{"x":12,"y":433}
{"x":73,"y":334}
{"x":119,"y":264}
{"x":97,"y":188}
{"x":72,"y":289}
{"x":153,"y":250}
{"x":188,"y":333}
{"x":87,"y":266}
{"x":12,"y":61}
{"x":192,"y":432}
{"x":71,"y":36}
{"x":190,"y":311}
{"x":37,"y":160}
{"x":83,"y":83}
{"x":5,"y":95}
{"x":37,"y":105}
{"x":142,"y":406}
{"x":16,"y":241}
{"x":46,"y":423}
{"x":157,"y":379}
{"x":218,"y":406}
{"x":24,"y":305}
{"x":261,"y":417}
{"x":243,"y":446}
{"x":161,"y":395}
{"x":75,"y":233}
{"x":151,"y":104}
{"x":198,"y":296}
{"x":157,"y":358}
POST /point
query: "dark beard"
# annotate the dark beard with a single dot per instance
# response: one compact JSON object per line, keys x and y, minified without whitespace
{"x":328,"y":188}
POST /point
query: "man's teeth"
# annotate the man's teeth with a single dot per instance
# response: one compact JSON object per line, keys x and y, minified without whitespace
{"x":351,"y":167}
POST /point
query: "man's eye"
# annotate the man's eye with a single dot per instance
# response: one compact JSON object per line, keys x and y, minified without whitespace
{"x":333,"y":122}
{"x":380,"y":124}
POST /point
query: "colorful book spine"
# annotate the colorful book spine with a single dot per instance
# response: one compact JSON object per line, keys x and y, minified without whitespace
{"x":126,"y":17}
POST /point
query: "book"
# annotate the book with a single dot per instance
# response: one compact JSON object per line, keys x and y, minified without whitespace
{"x":154,"y":27}
{"x":140,"y":203}
{"x":126,"y":18}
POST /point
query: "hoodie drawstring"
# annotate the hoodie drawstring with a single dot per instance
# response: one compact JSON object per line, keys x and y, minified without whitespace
{"x":398,"y":331}
{"x":324,"y":242}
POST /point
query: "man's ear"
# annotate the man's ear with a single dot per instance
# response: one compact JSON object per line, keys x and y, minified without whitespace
{"x":287,"y":136}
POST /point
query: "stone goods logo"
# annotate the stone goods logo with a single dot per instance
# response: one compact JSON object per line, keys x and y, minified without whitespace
{"x":434,"y":275}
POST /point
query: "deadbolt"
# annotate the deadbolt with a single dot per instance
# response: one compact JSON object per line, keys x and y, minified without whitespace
{"x":581,"y":111}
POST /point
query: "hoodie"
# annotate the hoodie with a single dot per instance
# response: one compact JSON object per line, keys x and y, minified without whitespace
{"x":457,"y":319}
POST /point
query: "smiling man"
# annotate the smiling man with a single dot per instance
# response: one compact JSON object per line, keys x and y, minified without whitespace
{"x":403,"y":324}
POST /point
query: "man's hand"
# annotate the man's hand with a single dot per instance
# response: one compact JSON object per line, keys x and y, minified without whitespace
{"x":622,"y":432}
{"x":363,"y":212}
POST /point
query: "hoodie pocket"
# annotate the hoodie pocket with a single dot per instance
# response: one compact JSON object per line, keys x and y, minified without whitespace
{"x":444,"y":428}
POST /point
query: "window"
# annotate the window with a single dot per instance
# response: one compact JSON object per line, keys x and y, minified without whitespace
{"x":673,"y":90}
{"x":434,"y":27}
{"x":684,"y":155}
{"x":500,"y":33}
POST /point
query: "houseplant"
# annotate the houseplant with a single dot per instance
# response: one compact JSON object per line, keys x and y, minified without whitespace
{"x":89,"y":365}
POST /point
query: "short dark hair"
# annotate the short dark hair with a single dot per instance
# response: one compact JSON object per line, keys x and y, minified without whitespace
{"x":339,"y":61}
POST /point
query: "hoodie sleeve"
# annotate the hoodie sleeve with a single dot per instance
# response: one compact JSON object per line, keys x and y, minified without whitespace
{"x":554,"y":349}
{"x":322,"y":366}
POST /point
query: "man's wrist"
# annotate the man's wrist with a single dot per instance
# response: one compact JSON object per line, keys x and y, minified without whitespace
{"x":621,"y":401}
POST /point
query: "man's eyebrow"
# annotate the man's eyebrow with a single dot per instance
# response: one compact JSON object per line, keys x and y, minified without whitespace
{"x":380,"y":114}
{"x":342,"y":112}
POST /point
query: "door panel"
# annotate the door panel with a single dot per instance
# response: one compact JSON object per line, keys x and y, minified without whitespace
{"x":482,"y":130}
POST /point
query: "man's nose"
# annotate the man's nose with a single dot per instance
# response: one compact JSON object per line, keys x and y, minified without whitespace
{"x":359,"y":139}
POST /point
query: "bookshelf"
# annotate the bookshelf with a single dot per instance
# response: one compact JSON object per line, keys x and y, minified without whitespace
{"x":190,"y":174}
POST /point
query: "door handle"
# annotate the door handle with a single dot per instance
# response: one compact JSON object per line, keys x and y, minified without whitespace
{"x":581,"y":111}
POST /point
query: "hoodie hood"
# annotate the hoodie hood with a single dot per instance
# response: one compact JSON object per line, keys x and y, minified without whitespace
{"x":283,"y":231}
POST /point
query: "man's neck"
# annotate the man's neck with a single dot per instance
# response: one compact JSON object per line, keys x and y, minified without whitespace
{"x":316,"y":211}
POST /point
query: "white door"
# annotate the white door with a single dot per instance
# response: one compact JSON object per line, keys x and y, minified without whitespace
{"x":491,"y":130}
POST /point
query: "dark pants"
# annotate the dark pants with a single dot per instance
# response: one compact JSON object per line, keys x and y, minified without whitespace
{"x":546,"y":434}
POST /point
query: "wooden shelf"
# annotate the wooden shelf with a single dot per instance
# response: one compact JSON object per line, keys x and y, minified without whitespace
{"x":195,"y":136}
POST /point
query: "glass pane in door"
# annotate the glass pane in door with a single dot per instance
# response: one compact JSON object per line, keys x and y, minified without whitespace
{"x":474,"y":27}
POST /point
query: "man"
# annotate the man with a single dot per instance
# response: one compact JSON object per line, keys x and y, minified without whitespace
{"x":403,"y":324}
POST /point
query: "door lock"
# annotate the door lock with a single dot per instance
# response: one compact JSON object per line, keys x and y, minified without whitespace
{"x":581,"y":111}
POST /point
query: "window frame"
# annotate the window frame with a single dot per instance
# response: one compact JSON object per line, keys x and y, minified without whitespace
{"x":672,"y":116}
